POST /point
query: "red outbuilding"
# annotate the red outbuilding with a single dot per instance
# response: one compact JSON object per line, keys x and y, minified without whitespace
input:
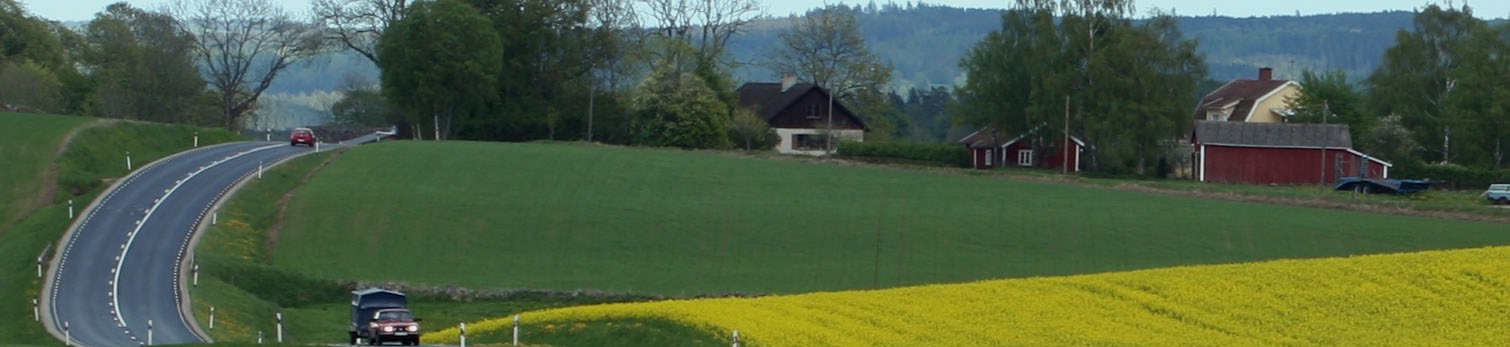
{"x":1282,"y":154}
{"x":989,"y":150}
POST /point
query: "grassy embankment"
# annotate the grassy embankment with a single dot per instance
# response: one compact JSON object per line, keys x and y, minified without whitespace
{"x":38,"y":181}
{"x":670,"y":223}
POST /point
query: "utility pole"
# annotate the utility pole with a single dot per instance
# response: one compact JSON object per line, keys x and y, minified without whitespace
{"x":1065,"y":160}
{"x":1326,"y":109}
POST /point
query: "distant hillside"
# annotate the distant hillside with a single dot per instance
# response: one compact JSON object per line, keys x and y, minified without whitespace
{"x":926,"y":42}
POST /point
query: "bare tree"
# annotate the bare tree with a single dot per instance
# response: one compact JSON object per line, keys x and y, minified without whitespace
{"x":704,"y":25}
{"x":357,"y":24}
{"x":825,"y":48}
{"x":243,"y":45}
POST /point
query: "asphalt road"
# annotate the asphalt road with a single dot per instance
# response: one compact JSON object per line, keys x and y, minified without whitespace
{"x":121,"y":267}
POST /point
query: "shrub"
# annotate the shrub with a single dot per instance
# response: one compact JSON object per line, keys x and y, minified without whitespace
{"x":1451,"y":176}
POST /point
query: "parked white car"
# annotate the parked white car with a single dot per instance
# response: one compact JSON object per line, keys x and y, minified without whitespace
{"x":1498,"y":193}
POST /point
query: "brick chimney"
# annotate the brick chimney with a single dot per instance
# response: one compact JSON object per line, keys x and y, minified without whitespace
{"x":787,"y":81}
{"x":1265,"y":74}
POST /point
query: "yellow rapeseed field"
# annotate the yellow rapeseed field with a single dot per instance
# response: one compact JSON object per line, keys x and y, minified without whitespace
{"x":1439,"y":298}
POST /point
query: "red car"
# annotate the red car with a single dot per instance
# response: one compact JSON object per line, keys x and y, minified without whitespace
{"x":302,"y":135}
{"x":389,"y":325}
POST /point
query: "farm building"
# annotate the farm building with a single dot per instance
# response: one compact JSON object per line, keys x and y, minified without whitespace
{"x":801,"y":114}
{"x":1262,"y":153}
{"x":989,"y":150}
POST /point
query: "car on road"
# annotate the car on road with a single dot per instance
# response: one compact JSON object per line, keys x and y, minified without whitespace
{"x":380,"y":315}
{"x":302,"y":135}
{"x":1498,"y":193}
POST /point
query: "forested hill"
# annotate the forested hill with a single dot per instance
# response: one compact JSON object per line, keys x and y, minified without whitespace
{"x":926,"y":42}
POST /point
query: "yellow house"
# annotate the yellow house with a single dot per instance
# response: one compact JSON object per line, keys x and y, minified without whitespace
{"x":1254,"y":101}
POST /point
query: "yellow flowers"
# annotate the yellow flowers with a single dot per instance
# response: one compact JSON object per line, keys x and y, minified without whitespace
{"x":1441,"y":298}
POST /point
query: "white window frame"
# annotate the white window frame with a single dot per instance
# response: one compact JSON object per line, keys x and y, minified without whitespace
{"x":1025,"y":157}
{"x":989,"y":154}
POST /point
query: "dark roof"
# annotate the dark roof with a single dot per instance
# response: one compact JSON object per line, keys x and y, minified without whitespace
{"x":1272,"y":135}
{"x":1244,"y":93}
{"x":983,"y":138}
{"x":768,"y":100}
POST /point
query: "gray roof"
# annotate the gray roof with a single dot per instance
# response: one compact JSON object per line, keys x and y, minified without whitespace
{"x":1272,"y":135}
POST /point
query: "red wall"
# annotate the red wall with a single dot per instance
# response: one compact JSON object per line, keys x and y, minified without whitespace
{"x":1287,"y":166}
{"x":1053,"y":159}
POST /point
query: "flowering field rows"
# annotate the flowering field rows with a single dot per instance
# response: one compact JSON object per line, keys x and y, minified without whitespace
{"x":1456,"y":298}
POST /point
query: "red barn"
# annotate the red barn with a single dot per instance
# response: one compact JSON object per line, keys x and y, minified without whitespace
{"x":989,"y":150}
{"x":1288,"y":154}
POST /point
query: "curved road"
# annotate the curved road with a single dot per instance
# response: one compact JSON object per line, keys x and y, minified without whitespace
{"x":120,"y":266}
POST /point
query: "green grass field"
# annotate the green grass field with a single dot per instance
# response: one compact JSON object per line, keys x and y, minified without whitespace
{"x":30,"y":144}
{"x":567,"y":217}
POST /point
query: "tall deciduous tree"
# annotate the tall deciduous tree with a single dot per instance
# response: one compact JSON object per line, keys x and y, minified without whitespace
{"x":358,"y":24}
{"x":440,"y":64}
{"x":1126,"y":88}
{"x":1333,"y":96}
{"x":143,"y":68}
{"x":1422,"y":72}
{"x":825,"y":48}
{"x":242,"y":46}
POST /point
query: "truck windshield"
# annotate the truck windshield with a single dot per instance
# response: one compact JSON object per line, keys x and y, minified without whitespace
{"x":395,"y":315}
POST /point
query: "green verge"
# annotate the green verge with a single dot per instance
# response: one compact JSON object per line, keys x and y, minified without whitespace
{"x":29,"y":145}
{"x":83,"y":171}
{"x":246,"y":293}
{"x":673,"y":223}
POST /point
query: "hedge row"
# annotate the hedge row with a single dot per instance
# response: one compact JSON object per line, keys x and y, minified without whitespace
{"x":909,"y":152}
{"x":1451,"y":176}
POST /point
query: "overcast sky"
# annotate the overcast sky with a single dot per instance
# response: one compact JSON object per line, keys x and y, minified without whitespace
{"x":80,"y":10}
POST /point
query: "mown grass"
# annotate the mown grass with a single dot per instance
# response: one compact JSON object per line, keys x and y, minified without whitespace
{"x":82,"y":172}
{"x":29,"y":145}
{"x":672,"y":223}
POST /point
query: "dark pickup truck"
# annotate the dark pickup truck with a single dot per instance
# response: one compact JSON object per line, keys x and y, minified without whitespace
{"x":380,"y":315}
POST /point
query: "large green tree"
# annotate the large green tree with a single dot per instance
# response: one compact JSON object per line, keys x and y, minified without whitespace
{"x":440,"y":64}
{"x":1126,"y":88}
{"x":34,"y":63}
{"x":142,"y":67}
{"x":1423,"y":75}
{"x":678,"y":109}
{"x":1331,"y":98}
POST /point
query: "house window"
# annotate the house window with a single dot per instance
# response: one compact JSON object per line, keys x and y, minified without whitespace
{"x":989,"y":154}
{"x":812,"y":112}
{"x":1025,"y":157}
{"x":809,"y":142}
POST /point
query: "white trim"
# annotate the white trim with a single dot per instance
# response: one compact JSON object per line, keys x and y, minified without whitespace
{"x":1025,"y":157}
{"x":1201,"y":171}
{"x":1077,"y":158}
{"x":1260,"y":100}
{"x":974,"y":163}
{"x":1349,"y":150}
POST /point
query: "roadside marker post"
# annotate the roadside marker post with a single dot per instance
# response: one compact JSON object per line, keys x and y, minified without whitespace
{"x":128,"y":161}
{"x":212,"y":317}
{"x":36,"y":313}
{"x":259,"y":337}
{"x":269,"y":134}
{"x":196,"y":275}
{"x":67,"y":335}
{"x":70,"y":209}
{"x":463,"y":334}
{"x":516,"y":330}
{"x":259,"y":170}
{"x":736,"y":338}
{"x":149,"y":332}
{"x":280,"y":327}
{"x":196,"y":139}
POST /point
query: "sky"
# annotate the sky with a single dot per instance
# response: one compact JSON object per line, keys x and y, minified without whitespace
{"x":83,"y":10}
